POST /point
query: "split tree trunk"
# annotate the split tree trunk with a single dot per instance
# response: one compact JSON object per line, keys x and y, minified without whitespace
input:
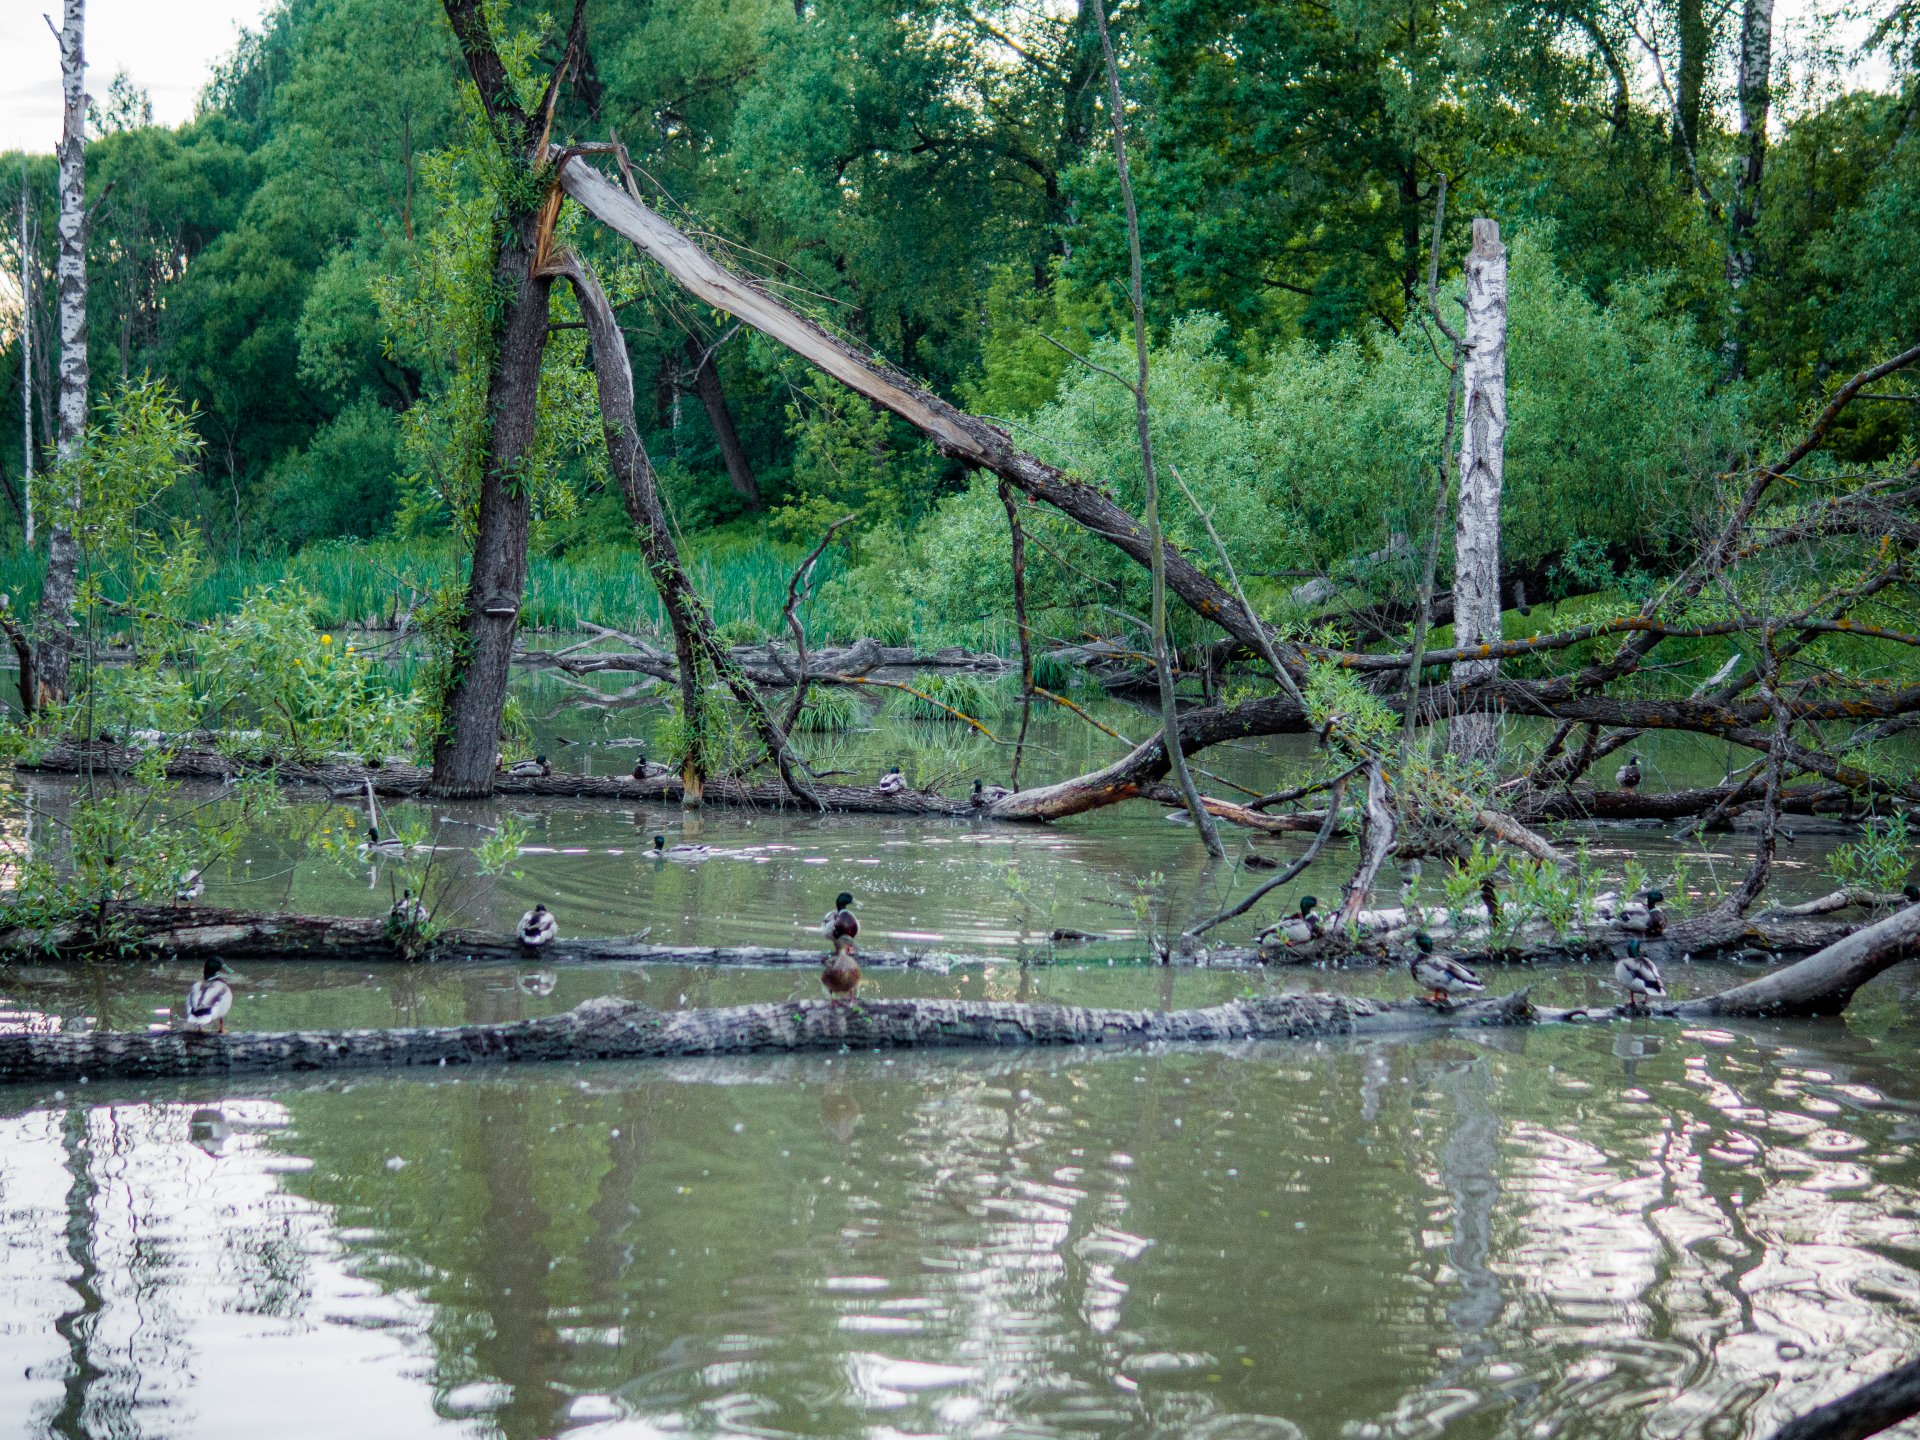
{"x":713,"y":399}
{"x":53,"y":638}
{"x":693,"y":635}
{"x":1476,"y":539}
{"x":1755,"y":95}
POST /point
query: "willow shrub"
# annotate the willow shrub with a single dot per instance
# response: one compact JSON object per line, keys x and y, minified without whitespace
{"x":1308,"y":459}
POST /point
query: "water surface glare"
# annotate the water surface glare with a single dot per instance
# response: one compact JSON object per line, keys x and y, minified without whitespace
{"x":1646,"y":1230}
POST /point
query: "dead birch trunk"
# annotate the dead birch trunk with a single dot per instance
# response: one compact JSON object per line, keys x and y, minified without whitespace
{"x":1376,"y":845}
{"x":53,"y":640}
{"x":1476,"y":541}
{"x":1756,"y":64}
{"x":26,"y":368}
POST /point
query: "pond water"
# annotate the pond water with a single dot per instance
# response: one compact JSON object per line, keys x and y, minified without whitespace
{"x":1639,"y":1229}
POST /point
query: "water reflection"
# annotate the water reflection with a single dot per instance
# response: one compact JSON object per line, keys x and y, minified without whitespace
{"x":1570,"y":1232}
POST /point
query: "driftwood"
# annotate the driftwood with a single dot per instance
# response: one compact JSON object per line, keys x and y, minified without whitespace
{"x":615,"y":1029}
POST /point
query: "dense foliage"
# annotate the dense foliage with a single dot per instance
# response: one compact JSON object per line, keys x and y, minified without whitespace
{"x":930,"y":178}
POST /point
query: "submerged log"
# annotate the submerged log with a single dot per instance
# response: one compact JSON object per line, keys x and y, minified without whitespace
{"x":615,"y":1029}
{"x":401,"y":781}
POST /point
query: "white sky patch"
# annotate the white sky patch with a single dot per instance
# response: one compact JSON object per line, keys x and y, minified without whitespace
{"x":168,"y":46}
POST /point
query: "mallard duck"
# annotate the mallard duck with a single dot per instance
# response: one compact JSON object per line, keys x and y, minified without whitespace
{"x":840,"y":974}
{"x":1442,"y":975}
{"x":1638,"y":976}
{"x":191,"y":887}
{"x":374,"y":845}
{"x":840,"y":925}
{"x":537,"y":927}
{"x":209,"y":999}
{"x":534,"y":769}
{"x":645,"y":769}
{"x":985,"y":794}
{"x":408,"y":911}
{"x":664,"y":851}
{"x":1299,"y":928}
{"x":893,"y":782}
{"x":1627,"y":777}
{"x":1911,"y":894}
{"x":1651,"y":922}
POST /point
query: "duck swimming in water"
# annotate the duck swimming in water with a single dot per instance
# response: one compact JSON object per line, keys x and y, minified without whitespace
{"x":1441,"y":975}
{"x":374,"y":845}
{"x":534,"y":769}
{"x":537,"y":927}
{"x":1638,"y":976}
{"x":209,"y":999}
{"x":664,"y":851}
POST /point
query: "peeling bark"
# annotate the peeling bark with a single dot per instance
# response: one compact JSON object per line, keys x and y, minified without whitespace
{"x":1755,"y":97}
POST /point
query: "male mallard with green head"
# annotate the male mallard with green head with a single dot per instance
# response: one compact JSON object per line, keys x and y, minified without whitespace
{"x":840,"y":972}
{"x":408,"y":912}
{"x":209,"y":999}
{"x":893,"y":782}
{"x":1304,"y":926}
{"x":985,"y":794}
{"x":376,"y":846}
{"x":534,"y":769}
{"x":1442,"y":975}
{"x":1638,"y":976}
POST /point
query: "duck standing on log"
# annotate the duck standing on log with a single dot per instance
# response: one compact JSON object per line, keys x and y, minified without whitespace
{"x":1638,"y":976}
{"x":537,"y":927}
{"x":408,"y":912}
{"x":985,"y":794}
{"x":191,"y":887}
{"x":840,"y":972}
{"x":1627,"y":777}
{"x":209,"y":999}
{"x":1442,"y":975}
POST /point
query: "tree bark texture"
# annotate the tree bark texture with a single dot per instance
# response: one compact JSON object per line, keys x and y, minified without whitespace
{"x":53,"y":638}
{"x":465,"y":754}
{"x":713,"y":399}
{"x":1755,"y":97}
{"x":615,"y":1029}
{"x":1483,"y":437}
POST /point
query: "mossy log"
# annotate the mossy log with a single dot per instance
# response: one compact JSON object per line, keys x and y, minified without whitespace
{"x":617,"y":1029}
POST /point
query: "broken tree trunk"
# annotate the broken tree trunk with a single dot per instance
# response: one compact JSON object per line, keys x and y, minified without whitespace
{"x":53,"y":624}
{"x":1476,"y":542}
{"x":692,"y":626}
{"x":615,"y":1029}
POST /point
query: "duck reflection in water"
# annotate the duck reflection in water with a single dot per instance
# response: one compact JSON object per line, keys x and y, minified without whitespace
{"x":1630,"y":1047}
{"x":840,"y":1112}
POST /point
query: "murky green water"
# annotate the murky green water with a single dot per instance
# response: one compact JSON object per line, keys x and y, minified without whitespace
{"x":1635,"y":1230}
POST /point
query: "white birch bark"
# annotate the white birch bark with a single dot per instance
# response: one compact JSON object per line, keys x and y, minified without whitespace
{"x":53,"y":646}
{"x":26,"y":363}
{"x":1755,"y":95}
{"x":1476,"y":537}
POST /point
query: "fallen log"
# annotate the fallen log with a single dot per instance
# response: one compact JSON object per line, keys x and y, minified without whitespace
{"x":615,"y":1029}
{"x":396,"y":780}
{"x":139,"y":932}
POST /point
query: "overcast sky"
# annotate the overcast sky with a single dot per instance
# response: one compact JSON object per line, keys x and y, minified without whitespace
{"x":170,"y":46}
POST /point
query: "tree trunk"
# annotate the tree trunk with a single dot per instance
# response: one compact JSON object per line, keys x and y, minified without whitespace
{"x":1695,"y":40}
{"x":53,"y":640}
{"x":1476,"y":539}
{"x":26,"y":369}
{"x":465,"y":753}
{"x":692,"y":627}
{"x":713,"y":398}
{"x":1756,"y":63}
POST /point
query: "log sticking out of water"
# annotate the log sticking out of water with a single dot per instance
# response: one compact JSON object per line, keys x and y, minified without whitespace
{"x":400,"y":781}
{"x":616,"y":1029}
